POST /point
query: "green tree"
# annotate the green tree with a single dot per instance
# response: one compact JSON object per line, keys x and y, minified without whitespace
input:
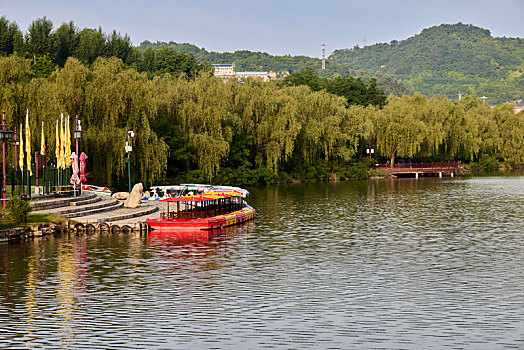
{"x":40,"y":40}
{"x":121,"y":47}
{"x":11,"y":38}
{"x":398,"y":127}
{"x":43,"y":66}
{"x":91,"y":45}
{"x":168,"y":61}
{"x":67,"y":36}
{"x":511,"y":126}
{"x":354,"y":90}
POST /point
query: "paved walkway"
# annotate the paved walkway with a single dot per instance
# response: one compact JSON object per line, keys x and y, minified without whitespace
{"x":132,"y":221}
{"x":77,"y":207}
{"x":111,"y":217}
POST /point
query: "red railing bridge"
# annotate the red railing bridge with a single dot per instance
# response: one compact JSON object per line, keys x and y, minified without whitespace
{"x":421,"y":168}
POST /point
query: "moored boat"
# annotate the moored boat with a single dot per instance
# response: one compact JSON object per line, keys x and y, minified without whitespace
{"x":212,"y":209}
{"x":102,"y":191}
{"x":160,"y":193}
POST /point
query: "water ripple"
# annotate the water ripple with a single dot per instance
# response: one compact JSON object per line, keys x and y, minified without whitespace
{"x":433,"y":263}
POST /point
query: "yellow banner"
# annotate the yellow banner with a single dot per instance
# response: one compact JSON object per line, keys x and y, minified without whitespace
{"x":28,"y":143}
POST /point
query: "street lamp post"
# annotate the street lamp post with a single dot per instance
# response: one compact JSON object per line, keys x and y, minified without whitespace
{"x":370,"y":150}
{"x":78,"y":135}
{"x":129,"y":148}
{"x":15,"y":142}
{"x":5,"y":135}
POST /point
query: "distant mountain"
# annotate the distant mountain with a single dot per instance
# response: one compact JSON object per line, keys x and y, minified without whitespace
{"x":260,"y":61}
{"x":446,"y":59}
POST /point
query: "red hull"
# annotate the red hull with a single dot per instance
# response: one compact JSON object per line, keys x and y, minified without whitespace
{"x":215,"y":222}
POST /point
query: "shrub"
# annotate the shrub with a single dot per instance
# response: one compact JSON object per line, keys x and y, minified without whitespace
{"x":486,"y":163}
{"x":17,"y":210}
{"x":358,"y":171}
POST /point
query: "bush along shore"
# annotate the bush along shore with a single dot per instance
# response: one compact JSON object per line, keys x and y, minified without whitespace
{"x":17,"y":222}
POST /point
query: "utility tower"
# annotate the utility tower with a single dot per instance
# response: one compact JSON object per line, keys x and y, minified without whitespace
{"x":323,"y":55}
{"x":484,"y":99}
{"x":459,"y":95}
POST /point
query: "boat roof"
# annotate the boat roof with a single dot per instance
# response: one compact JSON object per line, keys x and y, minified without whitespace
{"x":203,"y":197}
{"x":202,"y":187}
{"x":170,"y":187}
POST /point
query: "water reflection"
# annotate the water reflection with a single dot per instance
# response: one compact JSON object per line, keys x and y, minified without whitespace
{"x":362,"y":264}
{"x":197,"y":248}
{"x":30,"y":304}
{"x":164,"y":238}
{"x":65,"y":293}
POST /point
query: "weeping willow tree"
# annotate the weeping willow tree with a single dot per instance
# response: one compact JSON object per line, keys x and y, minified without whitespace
{"x":274,"y":115}
{"x":15,"y":76}
{"x":482,"y":130}
{"x":436,"y":127}
{"x":434,"y":114}
{"x":461,"y":133}
{"x":324,"y":133}
{"x":254,"y":125}
{"x":114,"y":98}
{"x":200,"y":107}
{"x":105,"y":98}
{"x":511,"y":126}
{"x":399,"y":128}
{"x":358,"y":125}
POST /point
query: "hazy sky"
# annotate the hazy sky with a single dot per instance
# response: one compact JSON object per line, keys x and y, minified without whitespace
{"x":294,"y":27}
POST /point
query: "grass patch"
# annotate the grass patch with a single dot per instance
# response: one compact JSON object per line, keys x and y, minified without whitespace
{"x":32,"y":219}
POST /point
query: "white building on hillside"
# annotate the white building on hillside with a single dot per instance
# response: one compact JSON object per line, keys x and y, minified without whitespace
{"x":224,"y":70}
{"x":260,"y":75}
{"x":227,"y":71}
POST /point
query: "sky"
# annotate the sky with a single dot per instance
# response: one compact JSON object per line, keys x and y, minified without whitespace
{"x":295,"y":27}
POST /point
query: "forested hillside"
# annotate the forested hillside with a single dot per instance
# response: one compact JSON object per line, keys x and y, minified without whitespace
{"x":444,"y":59}
{"x":260,"y":61}
{"x":447,"y":59}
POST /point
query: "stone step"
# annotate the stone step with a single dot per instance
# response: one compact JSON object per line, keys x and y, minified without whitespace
{"x":51,"y":202}
{"x":73,"y":207}
{"x":121,"y":214}
{"x":91,"y":204}
{"x":108,"y":205}
{"x":124,"y":215}
{"x":96,"y":198}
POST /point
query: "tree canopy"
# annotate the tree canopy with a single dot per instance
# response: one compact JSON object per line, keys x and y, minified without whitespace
{"x":202,"y":129}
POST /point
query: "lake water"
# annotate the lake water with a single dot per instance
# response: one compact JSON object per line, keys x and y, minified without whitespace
{"x":385,"y":264}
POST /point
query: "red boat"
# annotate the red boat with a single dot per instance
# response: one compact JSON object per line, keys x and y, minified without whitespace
{"x":206,"y":211}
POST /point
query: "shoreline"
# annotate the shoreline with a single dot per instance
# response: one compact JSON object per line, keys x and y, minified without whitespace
{"x":463,"y":173}
{"x":31,"y":231}
{"x":58,"y":227}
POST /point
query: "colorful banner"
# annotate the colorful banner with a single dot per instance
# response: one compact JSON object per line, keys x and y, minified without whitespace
{"x":42,"y":142}
{"x":21,"y":159}
{"x":67,"y":143}
{"x":57,"y":147}
{"x":28,"y":142}
{"x":62,"y":138}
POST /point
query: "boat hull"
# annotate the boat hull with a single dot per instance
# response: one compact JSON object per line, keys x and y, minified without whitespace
{"x":210,"y":223}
